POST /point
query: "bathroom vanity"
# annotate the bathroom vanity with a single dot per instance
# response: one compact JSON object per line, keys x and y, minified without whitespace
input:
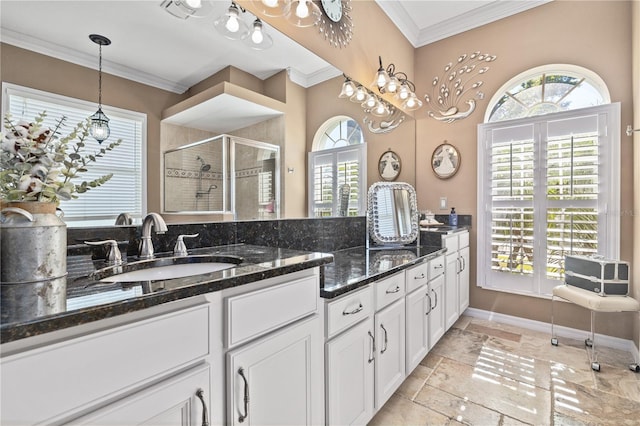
{"x":284,"y":336}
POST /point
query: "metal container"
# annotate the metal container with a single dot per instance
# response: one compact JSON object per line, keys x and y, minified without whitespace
{"x":33,"y":250}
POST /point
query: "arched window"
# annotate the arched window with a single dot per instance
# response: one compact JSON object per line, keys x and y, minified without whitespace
{"x":547,"y":89}
{"x":549,"y":170}
{"x":338,"y":169}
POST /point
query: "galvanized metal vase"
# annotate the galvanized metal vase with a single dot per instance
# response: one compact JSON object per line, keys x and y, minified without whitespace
{"x":33,"y":278}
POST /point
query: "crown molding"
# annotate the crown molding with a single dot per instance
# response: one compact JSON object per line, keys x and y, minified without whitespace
{"x":90,"y":61}
{"x":477,"y":17}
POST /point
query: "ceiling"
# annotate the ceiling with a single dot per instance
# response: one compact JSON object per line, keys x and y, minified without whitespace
{"x":153,"y":47}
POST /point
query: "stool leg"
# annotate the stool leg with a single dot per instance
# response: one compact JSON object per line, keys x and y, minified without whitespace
{"x":554,"y":339}
{"x":591,"y":345}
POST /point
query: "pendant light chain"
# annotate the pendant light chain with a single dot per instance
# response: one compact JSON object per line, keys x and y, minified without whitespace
{"x":100,"y":78}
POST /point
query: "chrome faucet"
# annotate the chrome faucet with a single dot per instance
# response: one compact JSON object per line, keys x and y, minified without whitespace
{"x":146,"y":245}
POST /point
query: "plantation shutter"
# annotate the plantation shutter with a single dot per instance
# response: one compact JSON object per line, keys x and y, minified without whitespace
{"x":329,"y":170}
{"x":123,"y":193}
{"x":547,"y":185}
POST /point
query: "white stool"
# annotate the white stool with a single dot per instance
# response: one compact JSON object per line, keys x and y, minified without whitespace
{"x":594,"y":303}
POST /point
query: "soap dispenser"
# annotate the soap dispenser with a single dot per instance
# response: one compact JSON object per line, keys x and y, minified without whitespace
{"x":453,"y":217}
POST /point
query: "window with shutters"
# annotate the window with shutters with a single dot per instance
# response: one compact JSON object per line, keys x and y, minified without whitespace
{"x":338,"y":170}
{"x":548,"y":186}
{"x":124,"y":192}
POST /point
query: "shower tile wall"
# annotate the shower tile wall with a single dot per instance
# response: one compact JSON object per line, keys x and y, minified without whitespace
{"x":189,"y":184}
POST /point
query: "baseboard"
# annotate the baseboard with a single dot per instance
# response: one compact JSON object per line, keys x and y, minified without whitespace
{"x":561,"y":331}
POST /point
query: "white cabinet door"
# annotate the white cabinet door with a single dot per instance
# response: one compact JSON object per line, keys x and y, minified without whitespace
{"x":451,"y":301}
{"x":390,"y":340}
{"x":417,"y":327}
{"x":436,"y":314}
{"x":277,"y":379}
{"x":463,"y":279}
{"x":350,"y":370}
{"x":181,"y":400}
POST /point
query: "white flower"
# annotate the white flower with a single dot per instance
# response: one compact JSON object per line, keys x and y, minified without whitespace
{"x":30,"y":184}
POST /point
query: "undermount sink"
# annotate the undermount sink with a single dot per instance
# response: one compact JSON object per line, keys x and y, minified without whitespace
{"x":166,"y":268}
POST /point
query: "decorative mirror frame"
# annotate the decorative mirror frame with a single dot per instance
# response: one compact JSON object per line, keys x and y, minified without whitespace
{"x":373,"y":223}
{"x":389,"y":165}
{"x":445,"y":160}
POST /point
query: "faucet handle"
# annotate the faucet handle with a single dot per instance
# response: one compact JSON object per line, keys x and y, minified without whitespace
{"x":180,"y":249}
{"x":114,"y":257}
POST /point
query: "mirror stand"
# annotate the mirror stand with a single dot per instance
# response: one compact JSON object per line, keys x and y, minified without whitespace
{"x":392,"y":216}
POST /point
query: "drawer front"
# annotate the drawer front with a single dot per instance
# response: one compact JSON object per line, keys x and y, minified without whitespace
{"x":348,"y":310}
{"x":253,"y":314}
{"x":450,"y":242}
{"x":463,"y":239}
{"x":389,"y":290}
{"x":417,"y":276}
{"x":436,"y":267}
{"x":99,"y":366}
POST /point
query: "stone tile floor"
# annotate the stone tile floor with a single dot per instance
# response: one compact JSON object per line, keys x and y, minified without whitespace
{"x":487,"y":373}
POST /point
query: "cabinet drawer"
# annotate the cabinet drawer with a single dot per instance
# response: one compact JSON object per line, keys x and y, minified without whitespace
{"x":348,"y":310}
{"x":53,"y":382}
{"x":436,"y":267}
{"x":417,"y":276}
{"x":389,"y":290}
{"x":169,"y":402}
{"x":450,"y":242}
{"x":463,"y":239}
{"x":258,"y":312}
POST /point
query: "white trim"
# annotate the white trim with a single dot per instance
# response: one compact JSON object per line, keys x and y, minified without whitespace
{"x":474,"y":18}
{"x":43,"y":47}
{"x":561,"y":331}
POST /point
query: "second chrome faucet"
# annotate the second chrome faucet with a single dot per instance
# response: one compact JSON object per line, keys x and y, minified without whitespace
{"x":146,"y":245}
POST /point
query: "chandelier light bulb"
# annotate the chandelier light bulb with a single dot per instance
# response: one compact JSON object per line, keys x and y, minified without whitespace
{"x":380,"y":108}
{"x":360,"y":94}
{"x":256,"y":35}
{"x":371,"y":101}
{"x":232,"y":24}
{"x":270,"y":3}
{"x":302,"y":11}
{"x":392,"y":85}
{"x":194,"y":4}
{"x":404,"y":91}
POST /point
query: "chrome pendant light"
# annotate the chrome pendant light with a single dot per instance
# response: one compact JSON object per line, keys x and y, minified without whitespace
{"x":99,"y":121}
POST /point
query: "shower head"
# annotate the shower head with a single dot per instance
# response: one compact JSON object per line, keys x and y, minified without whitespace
{"x":204,"y":166}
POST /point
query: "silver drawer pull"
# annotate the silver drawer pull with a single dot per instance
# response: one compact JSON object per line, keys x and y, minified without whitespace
{"x":429,"y":297}
{"x":355,"y":311}
{"x":242,"y":417}
{"x":373,"y":347}
{"x":419,"y":277}
{"x":438,"y":266}
{"x":395,"y":290}
{"x":436,"y":297}
{"x":205,"y":415}
{"x":385,"y":339}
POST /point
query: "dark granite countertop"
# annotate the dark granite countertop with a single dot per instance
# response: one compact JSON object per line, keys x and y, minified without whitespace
{"x":89,"y":300}
{"x":356,"y":267}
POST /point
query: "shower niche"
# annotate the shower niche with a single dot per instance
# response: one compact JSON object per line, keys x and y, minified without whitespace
{"x":223,"y":175}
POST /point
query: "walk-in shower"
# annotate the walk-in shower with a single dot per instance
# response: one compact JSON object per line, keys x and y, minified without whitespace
{"x":225,"y":174}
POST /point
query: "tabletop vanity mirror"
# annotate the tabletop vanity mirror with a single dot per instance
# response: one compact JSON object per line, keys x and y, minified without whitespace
{"x":392,"y":214}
